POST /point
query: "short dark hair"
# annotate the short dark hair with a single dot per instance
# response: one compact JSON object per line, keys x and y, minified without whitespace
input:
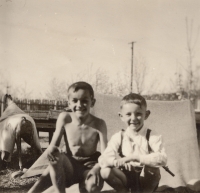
{"x":81,"y":85}
{"x":134,"y":98}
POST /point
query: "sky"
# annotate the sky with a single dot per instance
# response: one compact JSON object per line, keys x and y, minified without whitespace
{"x":46,"y":39}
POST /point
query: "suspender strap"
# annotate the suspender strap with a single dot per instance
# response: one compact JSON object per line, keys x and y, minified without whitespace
{"x":148,"y":134}
{"x":120,"y":146}
{"x":147,"y":138}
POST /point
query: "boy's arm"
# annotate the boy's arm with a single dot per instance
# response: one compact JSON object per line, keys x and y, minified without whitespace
{"x":61,"y":121}
{"x":102,"y":139}
{"x":111,"y":152}
{"x":158,"y":156}
{"x":95,"y":171}
{"x":53,"y":147}
{"x":103,"y":136}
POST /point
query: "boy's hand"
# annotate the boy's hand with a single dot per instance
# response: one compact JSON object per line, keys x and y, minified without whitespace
{"x":95,"y":171}
{"x":51,"y":153}
{"x":121,"y":161}
{"x":127,"y":166}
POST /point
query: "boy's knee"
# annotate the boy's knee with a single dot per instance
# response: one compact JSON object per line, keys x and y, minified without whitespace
{"x":58,"y":159}
{"x":91,"y":184}
{"x":150,"y":180}
{"x":105,"y":173}
{"x":154,"y":172}
{"x":92,"y":187}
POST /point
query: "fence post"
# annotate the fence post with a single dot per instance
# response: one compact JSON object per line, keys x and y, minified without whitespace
{"x":2,"y":105}
{"x":198,"y":103}
{"x":55,"y":105}
{"x":28,"y":105}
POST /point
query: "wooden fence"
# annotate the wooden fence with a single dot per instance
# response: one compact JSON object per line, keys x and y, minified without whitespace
{"x":44,"y":109}
{"x":37,"y":104}
{"x":39,"y":108}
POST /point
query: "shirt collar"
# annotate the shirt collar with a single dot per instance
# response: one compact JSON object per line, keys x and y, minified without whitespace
{"x":141,"y":132}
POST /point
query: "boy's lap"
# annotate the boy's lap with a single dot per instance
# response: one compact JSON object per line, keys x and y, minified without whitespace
{"x":78,"y":172}
{"x":138,"y":178}
{"x":81,"y":166}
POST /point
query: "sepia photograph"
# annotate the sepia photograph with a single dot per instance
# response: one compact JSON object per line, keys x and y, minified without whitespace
{"x":99,"y":96}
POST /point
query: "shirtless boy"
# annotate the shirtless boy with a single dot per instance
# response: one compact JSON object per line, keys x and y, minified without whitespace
{"x":83,"y":131}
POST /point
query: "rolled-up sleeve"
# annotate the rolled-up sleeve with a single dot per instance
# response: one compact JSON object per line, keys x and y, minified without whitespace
{"x":158,"y":157}
{"x":111,"y":152}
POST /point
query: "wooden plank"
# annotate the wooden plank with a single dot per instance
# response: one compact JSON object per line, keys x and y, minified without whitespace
{"x":48,"y":126}
{"x":197,"y":116}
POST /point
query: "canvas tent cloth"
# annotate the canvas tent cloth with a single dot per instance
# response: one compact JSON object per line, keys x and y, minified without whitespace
{"x":175,"y":121}
{"x":9,"y":123}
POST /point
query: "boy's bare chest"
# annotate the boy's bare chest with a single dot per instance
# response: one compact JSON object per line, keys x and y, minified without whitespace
{"x":80,"y":135}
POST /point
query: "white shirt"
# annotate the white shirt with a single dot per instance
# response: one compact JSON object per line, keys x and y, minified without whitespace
{"x":135,"y":143}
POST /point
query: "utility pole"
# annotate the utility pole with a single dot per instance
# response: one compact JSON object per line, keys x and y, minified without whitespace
{"x":131,"y":80}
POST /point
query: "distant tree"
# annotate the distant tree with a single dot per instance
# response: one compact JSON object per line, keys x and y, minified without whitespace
{"x":7,"y":87}
{"x":139,"y":74}
{"x":4,"y":83}
{"x":99,"y":79}
{"x":192,"y":78}
{"x":102,"y":82}
{"x":22,"y":92}
{"x":57,"y":90}
{"x":80,"y":76}
{"x":189,"y":85}
{"x":120,"y":85}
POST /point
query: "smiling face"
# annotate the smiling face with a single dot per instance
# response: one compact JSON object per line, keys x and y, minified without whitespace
{"x":80,"y":102}
{"x":133,"y":115}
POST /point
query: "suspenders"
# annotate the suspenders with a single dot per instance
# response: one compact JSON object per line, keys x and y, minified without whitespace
{"x":147,"y":138}
{"x":120,"y":146}
{"x":122,"y":135}
{"x":149,"y":148}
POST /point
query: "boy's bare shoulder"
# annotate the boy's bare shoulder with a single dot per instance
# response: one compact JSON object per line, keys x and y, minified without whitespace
{"x":64,"y":116}
{"x":96,"y":119}
{"x":98,"y":122}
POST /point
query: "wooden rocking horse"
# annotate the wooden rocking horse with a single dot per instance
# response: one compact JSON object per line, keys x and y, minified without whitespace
{"x":15,"y":125}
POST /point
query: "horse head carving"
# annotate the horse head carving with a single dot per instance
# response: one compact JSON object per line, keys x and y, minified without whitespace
{"x":6,"y":100}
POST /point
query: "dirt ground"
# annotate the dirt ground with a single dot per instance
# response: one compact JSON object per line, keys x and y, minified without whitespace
{"x":8,"y":184}
{"x":18,"y":185}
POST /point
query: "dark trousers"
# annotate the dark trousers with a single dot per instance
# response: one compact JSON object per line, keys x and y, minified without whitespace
{"x":144,"y":180}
